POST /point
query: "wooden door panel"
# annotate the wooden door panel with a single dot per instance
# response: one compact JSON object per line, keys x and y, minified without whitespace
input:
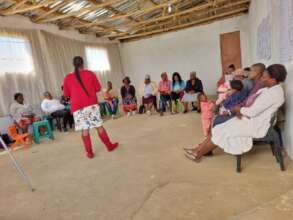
{"x":230,"y":50}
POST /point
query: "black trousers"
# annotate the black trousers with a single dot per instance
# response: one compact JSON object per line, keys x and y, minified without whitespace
{"x":61,"y":115}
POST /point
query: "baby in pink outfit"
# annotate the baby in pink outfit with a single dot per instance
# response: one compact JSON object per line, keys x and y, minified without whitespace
{"x":207,"y":107}
{"x":223,"y":93}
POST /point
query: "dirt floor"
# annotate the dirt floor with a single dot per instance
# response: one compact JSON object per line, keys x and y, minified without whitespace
{"x":147,"y":178}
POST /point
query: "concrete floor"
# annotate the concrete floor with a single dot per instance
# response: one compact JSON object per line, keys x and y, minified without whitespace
{"x":147,"y":178}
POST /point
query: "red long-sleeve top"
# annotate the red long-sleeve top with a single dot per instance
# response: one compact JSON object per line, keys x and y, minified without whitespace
{"x":73,"y":90}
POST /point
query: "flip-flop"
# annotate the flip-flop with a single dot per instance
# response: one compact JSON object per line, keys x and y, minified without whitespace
{"x":192,"y":157}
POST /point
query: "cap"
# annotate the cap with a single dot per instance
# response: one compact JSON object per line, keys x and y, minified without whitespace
{"x":147,"y":77}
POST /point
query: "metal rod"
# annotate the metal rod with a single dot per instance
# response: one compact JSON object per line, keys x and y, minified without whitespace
{"x":17,"y":165}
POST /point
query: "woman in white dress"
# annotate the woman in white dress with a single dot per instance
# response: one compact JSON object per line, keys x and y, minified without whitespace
{"x":236,"y":135}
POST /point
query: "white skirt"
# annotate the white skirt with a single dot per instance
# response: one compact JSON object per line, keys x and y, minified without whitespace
{"x":234,"y":136}
{"x":190,"y":97}
{"x":87,"y":118}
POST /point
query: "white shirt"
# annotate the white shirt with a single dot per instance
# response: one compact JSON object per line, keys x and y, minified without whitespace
{"x":18,"y":111}
{"x":51,"y":105}
{"x":263,"y":109}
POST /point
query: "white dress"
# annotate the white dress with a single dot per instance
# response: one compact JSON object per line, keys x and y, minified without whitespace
{"x":236,"y":135}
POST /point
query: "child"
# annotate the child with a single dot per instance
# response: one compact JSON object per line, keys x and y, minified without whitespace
{"x":236,"y":96}
{"x":223,"y":92}
{"x":206,"y":107}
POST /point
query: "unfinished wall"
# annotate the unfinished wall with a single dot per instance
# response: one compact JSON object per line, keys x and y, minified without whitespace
{"x":195,"y":48}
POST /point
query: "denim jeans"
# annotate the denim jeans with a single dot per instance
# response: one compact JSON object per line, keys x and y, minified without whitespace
{"x":164,"y":99}
{"x":113,"y":109}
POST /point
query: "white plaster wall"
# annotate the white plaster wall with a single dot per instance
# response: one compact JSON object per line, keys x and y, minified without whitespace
{"x":260,"y":9}
{"x":196,"y":48}
{"x":18,"y":21}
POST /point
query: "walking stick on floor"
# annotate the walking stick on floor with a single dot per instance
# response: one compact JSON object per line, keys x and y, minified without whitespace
{"x":17,"y":165}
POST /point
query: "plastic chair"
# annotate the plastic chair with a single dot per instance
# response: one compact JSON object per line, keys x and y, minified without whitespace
{"x":19,"y":139}
{"x":274,"y":139}
{"x":48,"y":133}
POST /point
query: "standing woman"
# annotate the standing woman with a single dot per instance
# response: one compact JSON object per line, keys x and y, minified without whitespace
{"x":81,"y":87}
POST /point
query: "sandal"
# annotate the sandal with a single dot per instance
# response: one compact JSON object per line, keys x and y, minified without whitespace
{"x":189,"y":150}
{"x":192,"y":157}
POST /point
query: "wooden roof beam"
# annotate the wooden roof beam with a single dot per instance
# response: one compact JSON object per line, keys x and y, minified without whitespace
{"x":51,"y":11}
{"x":185,"y":25}
{"x":199,"y":8}
{"x":42,"y":10}
{"x":30,"y":7}
{"x":135,"y":13}
{"x":13,"y":7}
{"x":79,"y":12}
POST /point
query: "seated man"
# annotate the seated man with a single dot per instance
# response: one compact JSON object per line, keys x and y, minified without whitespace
{"x":165,"y":93}
{"x":148,"y":92}
{"x":111,"y":99}
{"x":192,"y":89}
{"x":54,"y":109}
{"x":22,"y":114}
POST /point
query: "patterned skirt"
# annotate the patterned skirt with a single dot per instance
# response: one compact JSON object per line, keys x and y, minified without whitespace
{"x":87,"y":118}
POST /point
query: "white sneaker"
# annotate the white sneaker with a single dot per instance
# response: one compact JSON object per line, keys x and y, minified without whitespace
{"x":148,"y":112}
{"x":134,"y":112}
{"x":128,"y":114}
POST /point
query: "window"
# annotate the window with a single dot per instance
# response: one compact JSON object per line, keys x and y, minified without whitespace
{"x":97,"y":59}
{"x":15,"y":56}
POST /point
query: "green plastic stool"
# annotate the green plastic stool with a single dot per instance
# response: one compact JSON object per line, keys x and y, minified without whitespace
{"x":105,"y":112}
{"x":48,"y":133}
{"x":179,"y":107}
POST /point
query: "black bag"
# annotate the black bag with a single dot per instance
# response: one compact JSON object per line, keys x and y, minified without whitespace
{"x":141,"y":109}
{"x":6,"y":140}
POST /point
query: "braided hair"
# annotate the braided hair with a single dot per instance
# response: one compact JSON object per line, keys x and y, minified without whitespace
{"x":78,"y":63}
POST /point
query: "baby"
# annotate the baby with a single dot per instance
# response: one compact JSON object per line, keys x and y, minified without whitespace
{"x":236,"y":96}
{"x":223,"y":92}
{"x":207,"y":107}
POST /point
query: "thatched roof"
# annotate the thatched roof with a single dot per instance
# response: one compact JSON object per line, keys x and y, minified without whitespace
{"x":124,"y":19}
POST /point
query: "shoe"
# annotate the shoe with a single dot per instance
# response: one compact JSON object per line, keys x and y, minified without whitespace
{"x":113,"y":147}
{"x":148,"y":112}
{"x":185,"y":111}
{"x":161,"y":113}
{"x":128,"y":114}
{"x":133,"y":112}
{"x":90,"y":155}
{"x":113,"y":117}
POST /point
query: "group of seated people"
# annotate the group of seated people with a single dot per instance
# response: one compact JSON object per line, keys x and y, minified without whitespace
{"x":53,"y":109}
{"x":247,"y":101}
{"x":171,"y":94}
